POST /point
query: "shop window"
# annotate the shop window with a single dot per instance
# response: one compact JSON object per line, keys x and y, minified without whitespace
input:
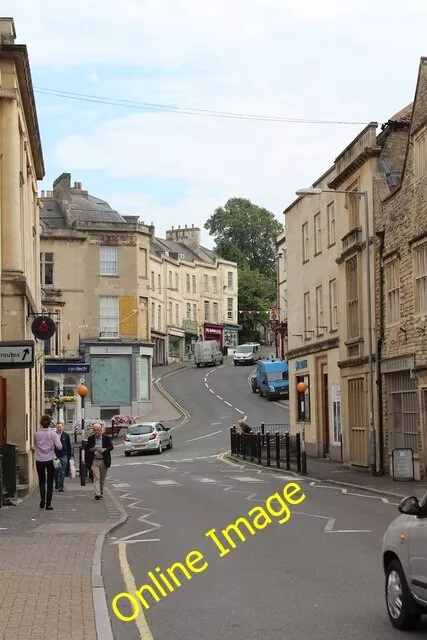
{"x":144,"y":378}
{"x":303,"y":397}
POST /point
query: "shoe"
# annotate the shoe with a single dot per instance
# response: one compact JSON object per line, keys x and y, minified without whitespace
{"x":49,"y":508}
{"x":42,"y":504}
{"x":101,"y":497}
{"x":97,"y":497}
{"x":61,"y":489}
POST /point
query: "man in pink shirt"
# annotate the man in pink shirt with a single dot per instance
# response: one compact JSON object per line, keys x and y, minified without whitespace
{"x":45,"y":441}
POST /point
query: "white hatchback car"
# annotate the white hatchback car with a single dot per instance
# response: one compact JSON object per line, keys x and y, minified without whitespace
{"x":147,"y":436}
{"x":405,"y":564}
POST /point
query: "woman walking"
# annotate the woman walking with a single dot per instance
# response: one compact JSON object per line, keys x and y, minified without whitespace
{"x":45,"y":441}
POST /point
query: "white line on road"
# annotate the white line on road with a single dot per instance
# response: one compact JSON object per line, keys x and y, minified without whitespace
{"x":156,"y":464}
{"x":211,"y":390}
{"x":216,"y":424}
{"x":350,"y":531}
{"x":229,"y":403}
{"x":330,"y":524}
{"x":242,"y":412}
{"x":219,"y":397}
{"x":208,"y":435}
{"x":206,"y":385}
{"x":129,"y":580}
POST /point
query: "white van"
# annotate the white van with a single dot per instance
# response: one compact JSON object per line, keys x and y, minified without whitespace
{"x":248,"y":353}
{"x":208,"y":353}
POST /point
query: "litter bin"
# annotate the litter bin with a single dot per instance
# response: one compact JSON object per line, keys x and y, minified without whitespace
{"x":10,"y":469}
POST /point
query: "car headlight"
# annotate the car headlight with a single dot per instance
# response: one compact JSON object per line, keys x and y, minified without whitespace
{"x":271,"y":388}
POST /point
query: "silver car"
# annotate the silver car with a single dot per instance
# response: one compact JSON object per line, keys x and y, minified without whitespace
{"x":147,"y":436}
{"x":405,"y":564}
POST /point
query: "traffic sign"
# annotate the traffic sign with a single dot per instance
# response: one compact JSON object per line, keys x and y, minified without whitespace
{"x":17,"y":355}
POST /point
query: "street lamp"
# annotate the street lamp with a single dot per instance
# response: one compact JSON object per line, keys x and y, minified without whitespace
{"x":313,"y":191}
{"x":82,"y":390}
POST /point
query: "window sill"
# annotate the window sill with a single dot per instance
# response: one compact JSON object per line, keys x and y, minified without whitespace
{"x":109,"y":275}
{"x":305,"y":261}
{"x":332,"y":244}
{"x":318,"y":253}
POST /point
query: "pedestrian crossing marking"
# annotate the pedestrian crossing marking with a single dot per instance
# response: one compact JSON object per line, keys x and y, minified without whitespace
{"x":165,"y":482}
{"x":247,"y":479}
{"x":205,"y":480}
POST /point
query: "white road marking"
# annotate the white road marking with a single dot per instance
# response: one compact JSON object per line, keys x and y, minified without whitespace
{"x":242,"y":412}
{"x":208,"y":435}
{"x":229,"y":403}
{"x":166,"y":483}
{"x":136,"y":504}
{"x":122,"y":485}
{"x":145,"y":540}
{"x":211,"y":390}
{"x":216,"y":424}
{"x":247,"y":479}
{"x":219,"y":397}
{"x":206,"y":385}
{"x":205,"y":480}
{"x":329,"y":528}
{"x":330,"y":524}
{"x":156,"y":464}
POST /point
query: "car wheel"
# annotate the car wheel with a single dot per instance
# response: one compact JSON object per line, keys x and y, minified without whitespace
{"x":235,"y":364}
{"x":127,"y":454}
{"x":253,"y":390}
{"x":160,"y":449}
{"x":198,"y":365}
{"x":261,"y":395}
{"x":403,"y":612}
{"x":170,"y":443}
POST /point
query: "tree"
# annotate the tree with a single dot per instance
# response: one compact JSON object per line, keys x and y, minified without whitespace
{"x":246,"y":234}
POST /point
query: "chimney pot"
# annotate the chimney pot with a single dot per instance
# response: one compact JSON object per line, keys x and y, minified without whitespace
{"x":185,"y":226}
{"x":179,"y":226}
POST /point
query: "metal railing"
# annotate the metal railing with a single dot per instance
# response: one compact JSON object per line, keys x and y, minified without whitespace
{"x":265,"y":447}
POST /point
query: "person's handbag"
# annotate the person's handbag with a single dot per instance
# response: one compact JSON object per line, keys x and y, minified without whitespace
{"x":56,"y":463}
{"x":72,"y":469}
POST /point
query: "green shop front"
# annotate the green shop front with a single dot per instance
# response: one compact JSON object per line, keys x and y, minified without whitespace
{"x":231,"y":336}
{"x":191,"y":337}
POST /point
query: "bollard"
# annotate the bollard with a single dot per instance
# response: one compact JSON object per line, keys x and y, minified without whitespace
{"x":258,"y":439}
{"x":263,"y":434}
{"x":304,"y":463}
{"x":277,"y":450}
{"x":298,"y":448}
{"x":287,"y":452}
{"x":267,"y":437}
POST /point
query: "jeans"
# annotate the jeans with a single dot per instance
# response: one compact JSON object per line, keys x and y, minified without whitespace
{"x":43,"y":469}
{"x":60,"y":473}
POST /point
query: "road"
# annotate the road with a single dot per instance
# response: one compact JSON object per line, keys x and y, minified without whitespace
{"x":317,"y":575}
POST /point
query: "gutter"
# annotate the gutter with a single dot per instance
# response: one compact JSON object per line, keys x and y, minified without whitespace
{"x":380,"y":342}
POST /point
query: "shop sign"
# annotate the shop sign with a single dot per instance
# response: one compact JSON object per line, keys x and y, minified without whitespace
{"x":402,"y":363}
{"x":212,"y":331}
{"x":301,"y":364}
{"x":190,"y":326}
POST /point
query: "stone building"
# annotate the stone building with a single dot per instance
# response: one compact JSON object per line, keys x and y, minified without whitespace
{"x":279,"y":315}
{"x":193,"y":296}
{"x":94,"y":278}
{"x":401,"y":223}
{"x":21,"y":166}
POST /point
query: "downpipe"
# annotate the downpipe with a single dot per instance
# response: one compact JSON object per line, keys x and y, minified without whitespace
{"x":380,"y":342}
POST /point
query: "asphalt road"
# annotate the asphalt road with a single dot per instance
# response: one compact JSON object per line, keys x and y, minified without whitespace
{"x":317,"y":575}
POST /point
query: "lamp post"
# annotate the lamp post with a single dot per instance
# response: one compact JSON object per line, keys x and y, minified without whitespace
{"x":82,"y":390}
{"x":372,"y":437}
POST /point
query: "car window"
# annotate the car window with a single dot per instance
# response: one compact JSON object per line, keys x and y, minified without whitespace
{"x":140,"y":430}
{"x":423,"y":501}
{"x":159,"y":427}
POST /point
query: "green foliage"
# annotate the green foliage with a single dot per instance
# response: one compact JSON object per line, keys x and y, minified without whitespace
{"x":246,"y":234}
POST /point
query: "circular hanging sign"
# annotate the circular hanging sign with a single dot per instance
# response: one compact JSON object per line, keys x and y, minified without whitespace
{"x":43,"y":327}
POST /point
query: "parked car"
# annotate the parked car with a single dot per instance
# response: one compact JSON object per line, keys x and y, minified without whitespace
{"x":208,"y":353}
{"x":147,"y":436}
{"x":405,"y":564}
{"x":273,"y":379}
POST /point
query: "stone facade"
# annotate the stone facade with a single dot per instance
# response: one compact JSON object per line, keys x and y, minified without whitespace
{"x":401,"y":287}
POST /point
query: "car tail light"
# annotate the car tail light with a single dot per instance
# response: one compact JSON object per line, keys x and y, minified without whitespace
{"x":153,"y":437}
{"x":127,"y":439}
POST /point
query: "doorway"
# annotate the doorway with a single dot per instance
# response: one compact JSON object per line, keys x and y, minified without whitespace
{"x":325,"y":410}
{"x":3,"y":413}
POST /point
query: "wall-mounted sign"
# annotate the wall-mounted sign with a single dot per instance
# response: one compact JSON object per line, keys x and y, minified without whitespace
{"x":212,"y":331}
{"x":403,"y":464}
{"x":301,"y":364}
{"x":17,"y":355}
{"x":43,"y":327}
{"x":67,"y":367}
{"x":401,"y":363}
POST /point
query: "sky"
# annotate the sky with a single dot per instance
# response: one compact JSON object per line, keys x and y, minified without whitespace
{"x":343,"y":62}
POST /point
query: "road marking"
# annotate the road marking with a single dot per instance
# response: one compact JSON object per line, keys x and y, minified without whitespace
{"x":247,"y":479}
{"x":157,"y":464}
{"x":242,"y":412}
{"x":205,"y":480}
{"x":329,"y":528}
{"x":122,"y":485}
{"x":208,"y":435}
{"x":164,"y":483}
{"x":129,"y":580}
{"x":206,"y":385}
{"x":229,"y":403}
{"x":330,"y":524}
{"x":219,"y":397}
{"x":211,"y":390}
{"x":216,"y":424}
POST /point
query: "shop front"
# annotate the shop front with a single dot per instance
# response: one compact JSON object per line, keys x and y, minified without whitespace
{"x":159,"y":350}
{"x":176,"y":342}
{"x":191,"y":336}
{"x":214,"y":332}
{"x":231,"y":336}
{"x":60,"y":390}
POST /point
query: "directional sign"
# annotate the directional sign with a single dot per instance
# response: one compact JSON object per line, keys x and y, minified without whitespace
{"x":17,"y":355}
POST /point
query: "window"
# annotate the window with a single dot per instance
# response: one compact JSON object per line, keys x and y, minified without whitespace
{"x":159,"y":283}
{"x":153,"y":284}
{"x":352,"y":204}
{"x":331,"y":223}
{"x":108,"y":261}
{"x":229,"y":308}
{"x":333,"y":305}
{"x":206,"y":311}
{"x":46,"y":269}
{"x":352,"y":284}
{"x":317,"y":234}
{"x":170,"y":313}
{"x":109,"y":316}
{"x":188,"y":311}
{"x":320,"y":328}
{"x":52,"y":346}
{"x":177,"y":315}
{"x":420,"y":155}
{"x":215,"y":284}
{"x":144,"y":378}
{"x":159,"y":318}
{"x":392,"y":292}
{"x":153,"y":314}
{"x":420,"y":273}
{"x":193,"y":280}
{"x":176,"y":281}
{"x":205,"y":283}
{"x":215,"y":311}
{"x":305,"y":242}
{"x":170,"y":279}
{"x":307,"y":316}
{"x":230,"y":279}
{"x":303,"y":399}
{"x":188,"y":282}
{"x":195,"y":312}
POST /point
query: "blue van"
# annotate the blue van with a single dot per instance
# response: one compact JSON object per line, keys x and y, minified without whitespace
{"x":273,"y":379}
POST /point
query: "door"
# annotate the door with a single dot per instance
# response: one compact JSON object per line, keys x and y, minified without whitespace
{"x":325,"y":412}
{"x":358,"y":422}
{"x":163,"y":434}
{"x":3,"y":415}
{"x":418,"y":557}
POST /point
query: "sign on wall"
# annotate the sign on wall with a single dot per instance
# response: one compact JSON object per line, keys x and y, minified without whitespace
{"x":403,"y":464}
{"x":336,"y":412}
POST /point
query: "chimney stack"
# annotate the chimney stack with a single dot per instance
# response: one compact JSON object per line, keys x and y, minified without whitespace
{"x":7,"y":31}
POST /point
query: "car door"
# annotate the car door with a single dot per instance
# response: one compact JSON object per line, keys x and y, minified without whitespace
{"x":163,"y":434}
{"x":418,"y":553}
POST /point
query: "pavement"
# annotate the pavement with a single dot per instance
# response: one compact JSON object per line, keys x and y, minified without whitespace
{"x":319,"y":571}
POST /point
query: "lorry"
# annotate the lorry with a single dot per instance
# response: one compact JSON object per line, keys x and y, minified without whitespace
{"x":208,"y":353}
{"x":272,"y":379}
{"x":247,"y":353}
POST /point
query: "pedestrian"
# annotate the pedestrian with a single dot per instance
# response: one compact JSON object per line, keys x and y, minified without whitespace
{"x":63,"y":456}
{"x":242,"y":427}
{"x":99,"y":447}
{"x":46,"y":440}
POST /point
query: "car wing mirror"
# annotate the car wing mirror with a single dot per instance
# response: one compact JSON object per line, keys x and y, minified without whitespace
{"x":166,"y":428}
{"x":410,"y":506}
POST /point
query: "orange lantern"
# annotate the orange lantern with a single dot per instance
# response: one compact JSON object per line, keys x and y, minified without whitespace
{"x":302,"y":387}
{"x":82,"y":390}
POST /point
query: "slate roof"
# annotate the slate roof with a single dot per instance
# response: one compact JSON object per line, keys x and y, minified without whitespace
{"x":404,"y":115}
{"x":91,"y":209}
{"x":51,"y":214}
{"x":191,"y":255}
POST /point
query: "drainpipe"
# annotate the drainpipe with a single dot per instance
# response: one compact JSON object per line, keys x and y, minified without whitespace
{"x":380,"y":341}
